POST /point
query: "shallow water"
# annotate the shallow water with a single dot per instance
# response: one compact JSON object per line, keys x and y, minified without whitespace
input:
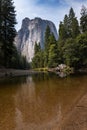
{"x":38,"y":102}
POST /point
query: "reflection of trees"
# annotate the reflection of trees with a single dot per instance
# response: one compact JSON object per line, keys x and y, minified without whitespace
{"x":7,"y":108}
{"x":37,"y":102}
{"x":40,"y":77}
{"x":8,"y":90}
{"x":12,"y":81}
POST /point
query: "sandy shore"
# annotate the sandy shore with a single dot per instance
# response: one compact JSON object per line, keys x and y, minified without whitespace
{"x":77,"y":118}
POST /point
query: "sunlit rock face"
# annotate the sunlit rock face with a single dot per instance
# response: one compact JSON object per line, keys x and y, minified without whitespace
{"x":31,"y":32}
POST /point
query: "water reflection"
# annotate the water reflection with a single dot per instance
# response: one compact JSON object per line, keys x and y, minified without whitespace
{"x":38,"y":102}
{"x":7,"y":109}
{"x":34,"y":109}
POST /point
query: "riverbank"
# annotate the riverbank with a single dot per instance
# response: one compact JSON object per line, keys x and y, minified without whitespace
{"x":15,"y":72}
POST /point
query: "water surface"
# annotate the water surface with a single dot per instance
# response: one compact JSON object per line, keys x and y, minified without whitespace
{"x":38,"y":102}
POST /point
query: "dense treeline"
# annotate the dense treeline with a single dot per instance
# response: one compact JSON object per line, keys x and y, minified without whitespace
{"x":9,"y":56}
{"x":71,"y":47}
{"x":48,"y":57}
{"x":72,"y":43}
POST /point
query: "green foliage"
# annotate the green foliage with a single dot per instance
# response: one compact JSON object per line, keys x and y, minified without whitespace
{"x":37,"y":48}
{"x":83,"y":19}
{"x":75,"y":28}
{"x":17,"y":61}
{"x":50,"y":51}
{"x":47,"y":34}
{"x":60,"y":51}
{"x":66,"y":26}
{"x":46,"y":49}
{"x":53,"y":52}
{"x":9,"y":57}
{"x":70,"y":53}
{"x":74,"y":51}
{"x":69,"y":28}
{"x":82,"y":45}
{"x":73,"y":24}
{"x":7,"y":30}
{"x":48,"y":56}
{"x":53,"y":57}
{"x":72,"y":46}
{"x":38,"y":59}
{"x":71,"y":14}
{"x":62,"y":31}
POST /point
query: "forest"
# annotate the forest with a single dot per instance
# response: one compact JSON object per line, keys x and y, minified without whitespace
{"x":9,"y":56}
{"x":70,"y":49}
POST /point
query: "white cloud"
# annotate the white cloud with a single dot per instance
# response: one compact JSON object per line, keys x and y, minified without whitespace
{"x":76,"y":4}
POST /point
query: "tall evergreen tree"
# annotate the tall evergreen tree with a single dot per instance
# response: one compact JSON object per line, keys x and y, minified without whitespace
{"x":46,"y":49}
{"x":38,"y":59}
{"x":73,"y":24}
{"x":83,"y":19}
{"x":71,"y":14}
{"x":0,"y":20}
{"x":37,"y":48}
{"x":69,"y":28}
{"x":68,"y":31}
{"x":62,"y":31}
{"x":47,"y":34}
{"x":53,"y":52}
{"x":66,"y":26}
{"x":8,"y":31}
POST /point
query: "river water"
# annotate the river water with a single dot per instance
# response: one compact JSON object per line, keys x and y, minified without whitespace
{"x":38,"y":101}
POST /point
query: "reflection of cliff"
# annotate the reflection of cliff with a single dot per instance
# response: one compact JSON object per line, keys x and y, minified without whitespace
{"x":34,"y":110}
{"x":38,"y":102}
{"x":25,"y":102}
{"x":26,"y":94}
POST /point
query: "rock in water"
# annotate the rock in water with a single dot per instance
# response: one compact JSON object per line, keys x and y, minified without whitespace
{"x":32,"y":31}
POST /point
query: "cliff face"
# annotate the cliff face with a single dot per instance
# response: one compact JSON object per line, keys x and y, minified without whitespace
{"x":32,"y":31}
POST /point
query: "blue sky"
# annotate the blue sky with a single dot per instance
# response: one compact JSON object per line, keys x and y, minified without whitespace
{"x":53,"y":10}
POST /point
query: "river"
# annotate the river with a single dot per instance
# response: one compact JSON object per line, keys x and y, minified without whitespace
{"x":38,"y":101}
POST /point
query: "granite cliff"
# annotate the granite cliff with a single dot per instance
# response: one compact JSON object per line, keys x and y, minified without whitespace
{"x":32,"y":31}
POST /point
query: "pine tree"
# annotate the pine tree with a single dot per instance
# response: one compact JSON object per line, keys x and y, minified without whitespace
{"x":73,"y":24}
{"x":37,"y":48}
{"x":0,"y":20}
{"x":62,"y":31}
{"x":38,"y":59}
{"x":53,"y":52}
{"x":46,"y":49}
{"x":75,"y":28}
{"x":66,"y":26}
{"x":68,"y":31}
{"x":7,"y":29}
{"x":69,"y":28}
{"x":83,"y":19}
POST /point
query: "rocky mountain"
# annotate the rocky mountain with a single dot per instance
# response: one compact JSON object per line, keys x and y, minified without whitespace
{"x":31,"y":32}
